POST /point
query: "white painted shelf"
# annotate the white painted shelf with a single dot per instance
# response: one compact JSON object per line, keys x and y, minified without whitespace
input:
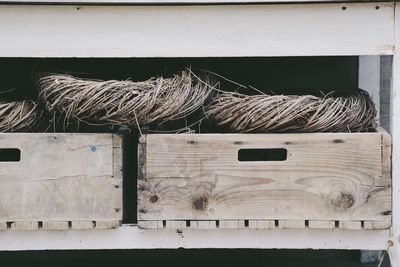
{"x":262,"y":30}
{"x":132,"y":237}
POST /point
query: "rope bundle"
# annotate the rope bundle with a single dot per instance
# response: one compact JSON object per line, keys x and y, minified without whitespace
{"x":19,"y":116}
{"x":124,"y":102}
{"x":288,"y":113}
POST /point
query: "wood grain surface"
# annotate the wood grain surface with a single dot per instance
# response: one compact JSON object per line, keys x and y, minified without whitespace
{"x":61,"y":178}
{"x":326,"y":177}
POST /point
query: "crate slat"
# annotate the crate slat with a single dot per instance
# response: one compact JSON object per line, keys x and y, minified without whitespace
{"x":321,"y":224}
{"x":291,"y":224}
{"x":175,"y":225}
{"x":231,"y":224}
{"x":350,"y":225}
{"x":262,"y":224}
{"x":150,"y":224}
{"x":82,"y":225}
{"x":24,"y":225}
{"x":58,"y":226}
{"x":107,"y":224}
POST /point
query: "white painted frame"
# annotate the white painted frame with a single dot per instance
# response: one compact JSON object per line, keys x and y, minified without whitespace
{"x":132,"y":237}
{"x":196,"y":31}
{"x":60,"y":31}
{"x":394,"y":249}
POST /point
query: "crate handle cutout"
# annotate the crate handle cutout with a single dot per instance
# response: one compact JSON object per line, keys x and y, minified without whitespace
{"x":262,"y":154}
{"x":10,"y":154}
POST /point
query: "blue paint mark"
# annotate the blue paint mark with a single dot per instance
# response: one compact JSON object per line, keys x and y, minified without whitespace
{"x":93,"y":149}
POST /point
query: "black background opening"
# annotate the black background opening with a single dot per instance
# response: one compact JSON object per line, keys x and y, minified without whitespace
{"x":262,"y":154}
{"x":10,"y":154}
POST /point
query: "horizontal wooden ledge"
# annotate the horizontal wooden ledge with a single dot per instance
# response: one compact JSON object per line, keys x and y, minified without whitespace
{"x":190,"y":224}
{"x":263,"y":224}
{"x":132,"y":237}
{"x":59,"y":225}
{"x":185,"y":30}
{"x":204,"y":224}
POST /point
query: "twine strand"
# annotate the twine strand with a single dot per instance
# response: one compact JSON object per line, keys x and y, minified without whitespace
{"x":292,"y":113}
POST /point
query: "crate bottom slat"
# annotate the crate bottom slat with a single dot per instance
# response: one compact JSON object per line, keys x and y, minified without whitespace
{"x":59,"y":225}
{"x":263,"y":224}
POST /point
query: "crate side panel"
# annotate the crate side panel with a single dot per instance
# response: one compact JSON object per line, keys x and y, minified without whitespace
{"x":60,"y":177}
{"x":118,"y":185}
{"x":325,"y":177}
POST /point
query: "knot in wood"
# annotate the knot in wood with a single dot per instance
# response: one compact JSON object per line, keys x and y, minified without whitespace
{"x":343,"y":200}
{"x":200,"y":203}
{"x":154,"y":199}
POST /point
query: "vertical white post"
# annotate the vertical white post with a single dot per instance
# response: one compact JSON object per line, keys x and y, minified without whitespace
{"x":369,"y":77}
{"x":394,"y":243}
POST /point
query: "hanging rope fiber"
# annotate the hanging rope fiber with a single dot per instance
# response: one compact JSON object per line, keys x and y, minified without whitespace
{"x":124,"y":102}
{"x":353,"y":112}
{"x":19,"y":116}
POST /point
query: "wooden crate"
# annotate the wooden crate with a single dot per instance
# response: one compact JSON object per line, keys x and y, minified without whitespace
{"x":328,"y":180}
{"x":61,"y":181}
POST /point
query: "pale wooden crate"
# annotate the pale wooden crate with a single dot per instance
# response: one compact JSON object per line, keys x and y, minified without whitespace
{"x":62,"y":181}
{"x":329,"y":180}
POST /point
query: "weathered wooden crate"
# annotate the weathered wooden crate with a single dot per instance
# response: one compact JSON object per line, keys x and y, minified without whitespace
{"x":315,"y":180}
{"x":60,"y":181}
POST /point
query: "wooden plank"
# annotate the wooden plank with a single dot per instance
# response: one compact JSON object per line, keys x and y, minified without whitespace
{"x":118,"y":186}
{"x":133,"y":237}
{"x":262,"y":30}
{"x":386,"y":173}
{"x":175,"y":225}
{"x":386,"y":153}
{"x":350,"y":225}
{"x":206,"y":225}
{"x":291,"y":224}
{"x":381,"y":225}
{"x":231,"y":224}
{"x":82,"y":225}
{"x":141,"y":159}
{"x":376,"y":225}
{"x":262,"y":224}
{"x":117,"y":159}
{"x":150,"y":224}
{"x":394,"y":250}
{"x":24,"y":225}
{"x":107,"y":224}
{"x":60,"y":177}
{"x":368,"y":225}
{"x":325,"y":177}
{"x":58,"y":226}
{"x":321,"y":224}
